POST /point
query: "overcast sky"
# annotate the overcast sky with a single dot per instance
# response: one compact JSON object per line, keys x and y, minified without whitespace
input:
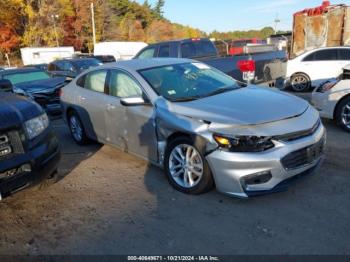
{"x":228,"y":15}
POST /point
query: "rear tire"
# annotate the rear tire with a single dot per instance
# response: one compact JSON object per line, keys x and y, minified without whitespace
{"x":186,"y":167}
{"x":300,"y":82}
{"x":77,"y":129}
{"x":342,"y":114}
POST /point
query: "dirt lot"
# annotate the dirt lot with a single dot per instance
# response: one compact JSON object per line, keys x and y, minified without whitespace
{"x":108,"y":202}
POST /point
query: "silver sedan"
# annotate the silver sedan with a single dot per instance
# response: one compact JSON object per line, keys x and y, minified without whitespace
{"x":203,"y":127}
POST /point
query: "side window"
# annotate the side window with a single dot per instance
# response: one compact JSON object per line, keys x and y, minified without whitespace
{"x":51,"y":67}
{"x":95,"y":81}
{"x":188,"y":50}
{"x":309,"y":58}
{"x":147,"y":53}
{"x":164,"y":51}
{"x":344,"y":54}
{"x":81,"y":81}
{"x":326,"y":55}
{"x":122,"y":85}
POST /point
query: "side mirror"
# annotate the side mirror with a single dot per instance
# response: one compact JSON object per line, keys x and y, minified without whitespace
{"x":6,"y":85}
{"x":133,"y":101}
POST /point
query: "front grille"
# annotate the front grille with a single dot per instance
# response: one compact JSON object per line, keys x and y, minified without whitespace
{"x":10,"y":144}
{"x":298,"y":135}
{"x":303,"y":157}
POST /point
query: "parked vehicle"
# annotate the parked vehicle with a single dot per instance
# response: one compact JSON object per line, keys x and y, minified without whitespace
{"x":38,"y":85}
{"x":258,"y":68}
{"x":316,"y":66}
{"x":323,"y":26}
{"x":237,"y":46}
{"x":120,"y":50}
{"x":39,"y":66}
{"x":201,"y":125}
{"x":45,"y":55}
{"x":29,"y":150}
{"x":70,"y":68}
{"x":332,"y":99}
{"x":104,"y":59}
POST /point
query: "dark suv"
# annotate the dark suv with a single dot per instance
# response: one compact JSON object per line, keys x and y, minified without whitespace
{"x":70,"y":68}
{"x":29,"y":150}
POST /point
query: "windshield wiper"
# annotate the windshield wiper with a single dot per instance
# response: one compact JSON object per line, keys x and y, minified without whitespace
{"x":221,"y":90}
{"x":186,"y":99}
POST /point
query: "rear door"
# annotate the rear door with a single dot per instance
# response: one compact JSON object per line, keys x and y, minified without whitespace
{"x":344,"y":56}
{"x":91,"y":101}
{"x":131,"y":127}
{"x":321,"y":65}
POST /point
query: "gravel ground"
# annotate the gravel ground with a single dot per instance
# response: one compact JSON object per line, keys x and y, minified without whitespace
{"x":109,"y":202}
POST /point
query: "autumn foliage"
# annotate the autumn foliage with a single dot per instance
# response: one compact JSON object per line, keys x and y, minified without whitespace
{"x":41,"y":22}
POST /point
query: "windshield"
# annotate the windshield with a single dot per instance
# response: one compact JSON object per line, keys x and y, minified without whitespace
{"x":84,"y":64}
{"x":188,"y":81}
{"x":18,"y":78}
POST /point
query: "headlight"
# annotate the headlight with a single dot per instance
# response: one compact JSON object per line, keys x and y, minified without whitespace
{"x":244,"y":143}
{"x":36,"y":126}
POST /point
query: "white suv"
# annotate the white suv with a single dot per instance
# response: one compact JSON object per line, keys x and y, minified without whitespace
{"x":316,"y":66}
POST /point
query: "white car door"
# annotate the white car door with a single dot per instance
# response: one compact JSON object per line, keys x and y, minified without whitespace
{"x":344,"y":57}
{"x":321,"y":65}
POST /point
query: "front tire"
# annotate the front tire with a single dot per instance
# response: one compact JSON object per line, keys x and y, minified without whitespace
{"x":300,"y":82}
{"x":342,"y":114}
{"x":77,"y":129}
{"x":186,"y":167}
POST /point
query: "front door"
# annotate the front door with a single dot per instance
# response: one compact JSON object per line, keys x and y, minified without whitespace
{"x":130,"y":127}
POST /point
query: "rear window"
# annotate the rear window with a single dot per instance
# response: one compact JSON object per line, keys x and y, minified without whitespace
{"x":197,"y":49}
{"x":19,"y":78}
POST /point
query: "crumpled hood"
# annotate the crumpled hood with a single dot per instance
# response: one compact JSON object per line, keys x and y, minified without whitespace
{"x":14,"y":110}
{"x":42,"y":86}
{"x":246,"y":106}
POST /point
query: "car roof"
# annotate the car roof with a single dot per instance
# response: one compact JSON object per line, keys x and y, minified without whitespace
{"x":139,"y":64}
{"x":20,"y":70}
{"x":74,"y":59}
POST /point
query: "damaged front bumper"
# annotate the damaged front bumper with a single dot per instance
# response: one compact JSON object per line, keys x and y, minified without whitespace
{"x":250,"y":174}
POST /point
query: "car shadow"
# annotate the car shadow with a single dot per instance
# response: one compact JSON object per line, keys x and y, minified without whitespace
{"x":71,"y":154}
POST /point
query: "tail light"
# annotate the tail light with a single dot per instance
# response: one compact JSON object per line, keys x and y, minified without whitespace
{"x":246,"y":65}
{"x":60,"y":92}
{"x":327,"y":86}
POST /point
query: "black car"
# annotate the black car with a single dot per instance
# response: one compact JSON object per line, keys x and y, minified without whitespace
{"x":38,"y":85}
{"x":104,"y":59}
{"x":70,"y":68}
{"x":29,"y":150}
{"x":39,"y":66}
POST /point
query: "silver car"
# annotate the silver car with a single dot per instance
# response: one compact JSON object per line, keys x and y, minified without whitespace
{"x":203,"y":127}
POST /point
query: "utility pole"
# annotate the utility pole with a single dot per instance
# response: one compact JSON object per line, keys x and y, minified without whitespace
{"x":277,"y":21}
{"x":93,"y":24}
{"x":54,"y":17}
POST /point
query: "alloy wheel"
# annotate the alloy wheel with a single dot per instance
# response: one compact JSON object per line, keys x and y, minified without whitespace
{"x":345,"y":116}
{"x":300,"y":83}
{"x":186,"y":166}
{"x":76,"y":129}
